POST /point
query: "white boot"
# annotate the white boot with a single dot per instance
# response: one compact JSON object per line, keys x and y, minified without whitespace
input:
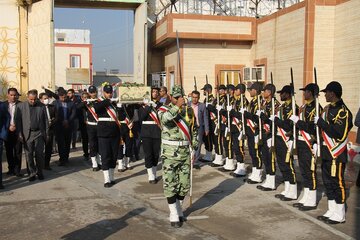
{"x":229,"y":164}
{"x":257,"y":176}
{"x":269,"y":183}
{"x":208,"y":156}
{"x":330,"y":211}
{"x":292,"y":193}
{"x":252,"y":172}
{"x":286,"y":189}
{"x":127,"y":162}
{"x":154,"y":168}
{"x":111,"y":175}
{"x":219,"y":161}
{"x":310,"y":200}
{"x":179,"y":209}
{"x":265,"y":184}
{"x":304,"y":196}
{"x":106,"y":176}
{"x":338,"y":215}
{"x":151,"y":176}
{"x":240,"y":169}
{"x":121,"y":166}
{"x":174,"y":216}
{"x":94,"y":163}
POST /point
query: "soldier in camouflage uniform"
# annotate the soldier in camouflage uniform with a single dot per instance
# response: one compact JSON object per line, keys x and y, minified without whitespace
{"x":175,"y":152}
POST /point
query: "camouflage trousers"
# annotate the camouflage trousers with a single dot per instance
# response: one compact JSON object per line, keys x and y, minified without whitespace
{"x":176,"y":170}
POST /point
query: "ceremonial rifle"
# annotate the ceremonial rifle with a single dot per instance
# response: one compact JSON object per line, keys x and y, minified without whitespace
{"x":272,"y":113}
{"x":317,"y":113}
{"x":227,"y":133}
{"x":259,"y":108}
{"x":195,"y":86}
{"x":206,"y":92}
{"x":217,"y":130}
{"x":293,"y":107}
{"x":192,"y":155}
{"x":242,"y":115}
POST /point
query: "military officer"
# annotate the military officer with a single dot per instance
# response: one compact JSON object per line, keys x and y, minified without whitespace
{"x":108,"y":132}
{"x":208,"y":140}
{"x":335,"y":124}
{"x":177,"y":137}
{"x":151,"y":133}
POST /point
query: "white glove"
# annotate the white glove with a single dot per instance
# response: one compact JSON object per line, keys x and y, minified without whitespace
{"x":115,"y":100}
{"x":88,"y":101}
{"x":258,"y":112}
{"x":119,"y":105}
{"x":153,"y":104}
{"x":272,"y":118}
{"x":146,"y":101}
{"x":269,"y":142}
{"x":207,"y":104}
{"x":290,"y":145}
{"x":316,"y":119}
{"x":315,"y":149}
{"x":218,"y":107}
{"x":242,"y":110}
{"x":229,"y":108}
{"x":294,"y":118}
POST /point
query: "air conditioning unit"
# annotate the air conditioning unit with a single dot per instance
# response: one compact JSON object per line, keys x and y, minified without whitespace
{"x":250,"y":74}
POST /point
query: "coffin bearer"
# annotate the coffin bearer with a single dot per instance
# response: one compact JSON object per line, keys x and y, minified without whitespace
{"x":151,"y":133}
{"x":179,"y":133}
{"x":91,"y":121}
{"x":335,"y":124}
{"x":108,"y":132}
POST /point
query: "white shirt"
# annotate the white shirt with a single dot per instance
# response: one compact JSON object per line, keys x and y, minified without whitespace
{"x":12,"y":112}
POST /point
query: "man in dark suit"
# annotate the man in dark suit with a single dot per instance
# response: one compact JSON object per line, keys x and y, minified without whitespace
{"x":66,"y":114}
{"x":357,"y":124}
{"x":4,"y":127}
{"x":164,"y":97}
{"x":51,"y":115}
{"x":12,"y":145}
{"x":202,"y":121}
{"x":32,"y":127}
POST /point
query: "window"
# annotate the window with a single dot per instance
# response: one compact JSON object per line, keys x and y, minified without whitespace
{"x":60,"y":37}
{"x":232,"y":77}
{"x":75,"y":61}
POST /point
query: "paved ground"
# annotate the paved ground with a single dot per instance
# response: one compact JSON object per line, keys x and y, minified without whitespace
{"x":71,"y":203}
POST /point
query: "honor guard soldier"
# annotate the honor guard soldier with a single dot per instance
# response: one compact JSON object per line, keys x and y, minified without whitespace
{"x":238,"y":130}
{"x":267,"y":151}
{"x":335,"y":124}
{"x":229,"y":129}
{"x":177,"y":138}
{"x":108,"y":132}
{"x":91,"y":119}
{"x":151,"y":133}
{"x":252,"y":132}
{"x":127,"y":136}
{"x":307,"y":147}
{"x":208,"y":140}
{"x":284,"y":144}
{"x":219,"y":127}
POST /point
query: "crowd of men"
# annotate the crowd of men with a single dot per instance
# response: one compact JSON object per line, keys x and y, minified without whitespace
{"x":173,"y":128}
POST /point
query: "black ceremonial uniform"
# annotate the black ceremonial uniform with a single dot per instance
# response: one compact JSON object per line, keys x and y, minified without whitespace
{"x":209,"y":139}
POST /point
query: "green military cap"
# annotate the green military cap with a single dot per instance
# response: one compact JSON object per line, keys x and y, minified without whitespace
{"x":177,"y":91}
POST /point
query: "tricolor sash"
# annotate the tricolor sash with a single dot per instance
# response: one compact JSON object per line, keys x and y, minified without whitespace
{"x":282,"y":131}
{"x":154,"y":117}
{"x":112,"y":113}
{"x":92,"y":111}
{"x":305,"y":135}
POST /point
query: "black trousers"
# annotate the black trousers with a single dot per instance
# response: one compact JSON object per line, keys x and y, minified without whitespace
{"x":1,"y":152}
{"x":84,"y":139}
{"x":34,"y":149}
{"x":129,"y":145}
{"x":334,"y":186}
{"x":238,"y":147}
{"x":209,"y":139}
{"x":13,"y":149}
{"x":151,"y":147}
{"x":286,"y":168}
{"x":254,"y":151}
{"x":228,"y":146}
{"x":93,"y":140}
{"x":268,"y":158}
{"x":108,"y":148}
{"x":218,"y":143}
{"x":305,"y":157}
{"x":48,"y":147}
{"x":63,"y":138}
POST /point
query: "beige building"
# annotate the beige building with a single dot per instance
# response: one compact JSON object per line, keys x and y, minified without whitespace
{"x":73,"y":58}
{"x":312,"y":33}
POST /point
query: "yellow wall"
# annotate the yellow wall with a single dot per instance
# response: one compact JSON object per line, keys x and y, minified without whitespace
{"x":347,"y":52}
{"x":62,"y":61}
{"x":9,"y":47}
{"x":281,"y":41}
{"x":200,"y":59}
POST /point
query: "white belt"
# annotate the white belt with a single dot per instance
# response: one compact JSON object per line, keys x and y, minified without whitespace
{"x":301,"y":138}
{"x":148,"y":122}
{"x":106,"y":120}
{"x":91,"y":123}
{"x":175,"y":143}
{"x":122,"y":121}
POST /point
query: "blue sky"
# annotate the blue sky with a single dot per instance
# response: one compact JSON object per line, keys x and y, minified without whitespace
{"x":111,"y":33}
